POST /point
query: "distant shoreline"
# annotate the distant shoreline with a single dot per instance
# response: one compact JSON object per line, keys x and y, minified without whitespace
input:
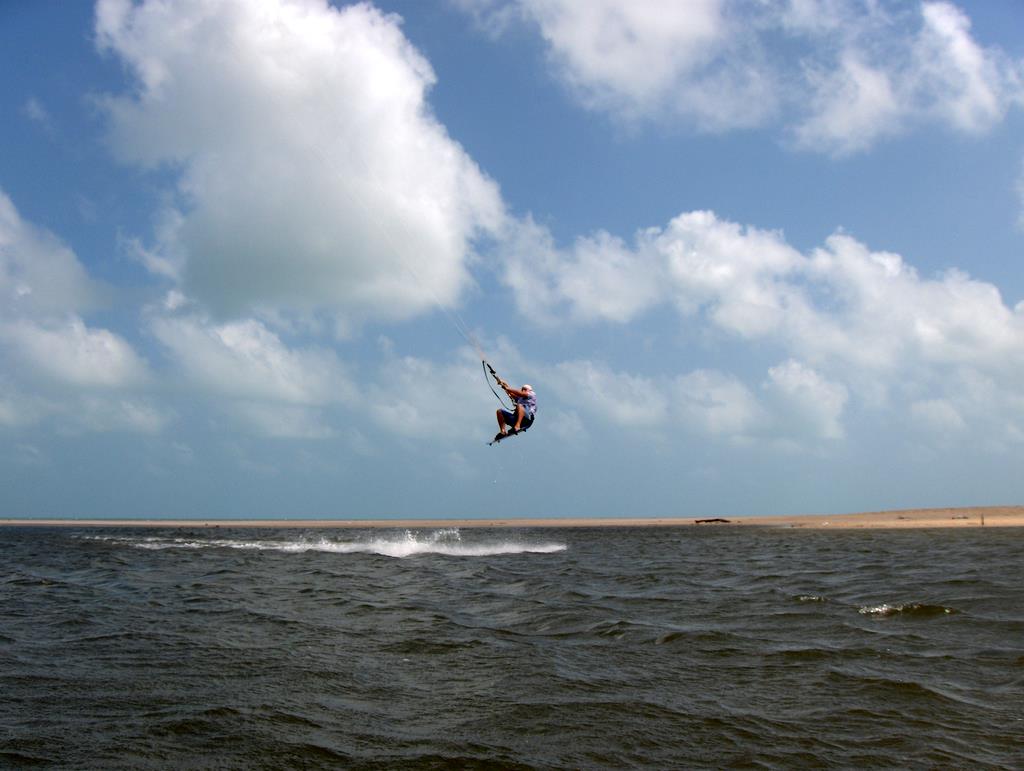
{"x":988,"y":516}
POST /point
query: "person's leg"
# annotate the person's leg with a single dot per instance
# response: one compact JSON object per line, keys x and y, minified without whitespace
{"x":501,"y":420}
{"x":519,"y":417}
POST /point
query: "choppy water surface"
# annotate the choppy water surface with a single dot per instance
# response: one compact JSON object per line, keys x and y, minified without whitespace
{"x":584,"y":648}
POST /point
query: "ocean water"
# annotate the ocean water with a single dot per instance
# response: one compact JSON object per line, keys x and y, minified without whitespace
{"x":704,"y":647}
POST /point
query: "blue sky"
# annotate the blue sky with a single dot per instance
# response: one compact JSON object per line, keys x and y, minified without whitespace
{"x":756,"y":256}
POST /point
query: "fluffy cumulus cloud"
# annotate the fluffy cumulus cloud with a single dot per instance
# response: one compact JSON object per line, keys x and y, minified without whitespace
{"x":807,"y":402}
{"x":412,"y":396}
{"x":851,"y":320}
{"x":251,"y":373}
{"x":619,"y":398}
{"x":848,"y":72}
{"x":651,"y":58}
{"x":246,"y":359}
{"x":841,"y":302}
{"x":601,"y":277}
{"x":717,"y":404}
{"x":312,"y":174}
{"x":885,"y":315}
{"x":852,"y":106}
{"x":58,"y":366}
{"x":968,"y":86}
{"x":738,"y":276}
{"x":81,"y":411}
{"x":39,"y":275}
{"x":630,"y":50}
{"x":696,"y":261}
{"x":938,"y":415}
{"x":71,"y":353}
{"x":794,"y":404}
{"x":936,"y":72}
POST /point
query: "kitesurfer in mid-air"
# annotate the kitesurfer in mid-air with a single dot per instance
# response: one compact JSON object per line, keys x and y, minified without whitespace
{"x":521,"y":418}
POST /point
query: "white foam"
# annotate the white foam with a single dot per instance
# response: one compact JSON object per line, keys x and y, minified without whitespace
{"x":409,"y":543}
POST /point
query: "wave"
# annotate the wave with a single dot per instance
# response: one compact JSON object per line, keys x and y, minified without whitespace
{"x":409,"y":543}
{"x":913,"y":609}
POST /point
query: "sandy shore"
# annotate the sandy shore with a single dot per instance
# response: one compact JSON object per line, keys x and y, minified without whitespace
{"x":989,"y":516}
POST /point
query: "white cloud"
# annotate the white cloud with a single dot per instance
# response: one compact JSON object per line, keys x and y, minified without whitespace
{"x":631,"y":401}
{"x":414,"y":397}
{"x":34,"y":110}
{"x":841,"y":304}
{"x":250,"y":373}
{"x":697,"y":261}
{"x":42,"y":287}
{"x":738,"y":274}
{"x":795,"y":404}
{"x":57,"y":366}
{"x":886,"y":316}
{"x":854,"y":323}
{"x":72,"y":411}
{"x":717,"y":404}
{"x":73,"y":354}
{"x":39,"y":275}
{"x":657,"y":58}
{"x":820,"y":17}
{"x":248,"y":361}
{"x":888,"y":80}
{"x":972,"y":400}
{"x":961,"y":82}
{"x":566,"y":425}
{"x":937,"y":415}
{"x":806,"y":402}
{"x":313,"y":174}
{"x":852,"y":106}
{"x":635,"y":50}
{"x":492,"y":16}
{"x":840,"y":75}
{"x":18,"y":408}
{"x":602,"y":278}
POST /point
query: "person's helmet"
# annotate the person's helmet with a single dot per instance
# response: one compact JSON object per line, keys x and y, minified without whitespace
{"x":528,"y":388}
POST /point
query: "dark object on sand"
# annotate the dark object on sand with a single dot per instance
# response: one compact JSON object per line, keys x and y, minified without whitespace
{"x":707,"y":521}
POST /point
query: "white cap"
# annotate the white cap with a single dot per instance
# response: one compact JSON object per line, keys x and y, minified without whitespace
{"x":527,"y":387}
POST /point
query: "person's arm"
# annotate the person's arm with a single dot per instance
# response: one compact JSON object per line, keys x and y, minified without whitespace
{"x":514,"y":393}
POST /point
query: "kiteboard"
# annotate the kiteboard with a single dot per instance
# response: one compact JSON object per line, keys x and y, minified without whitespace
{"x":502,"y":437}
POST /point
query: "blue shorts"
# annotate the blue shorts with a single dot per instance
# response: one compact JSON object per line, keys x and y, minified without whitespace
{"x":510,"y":419}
